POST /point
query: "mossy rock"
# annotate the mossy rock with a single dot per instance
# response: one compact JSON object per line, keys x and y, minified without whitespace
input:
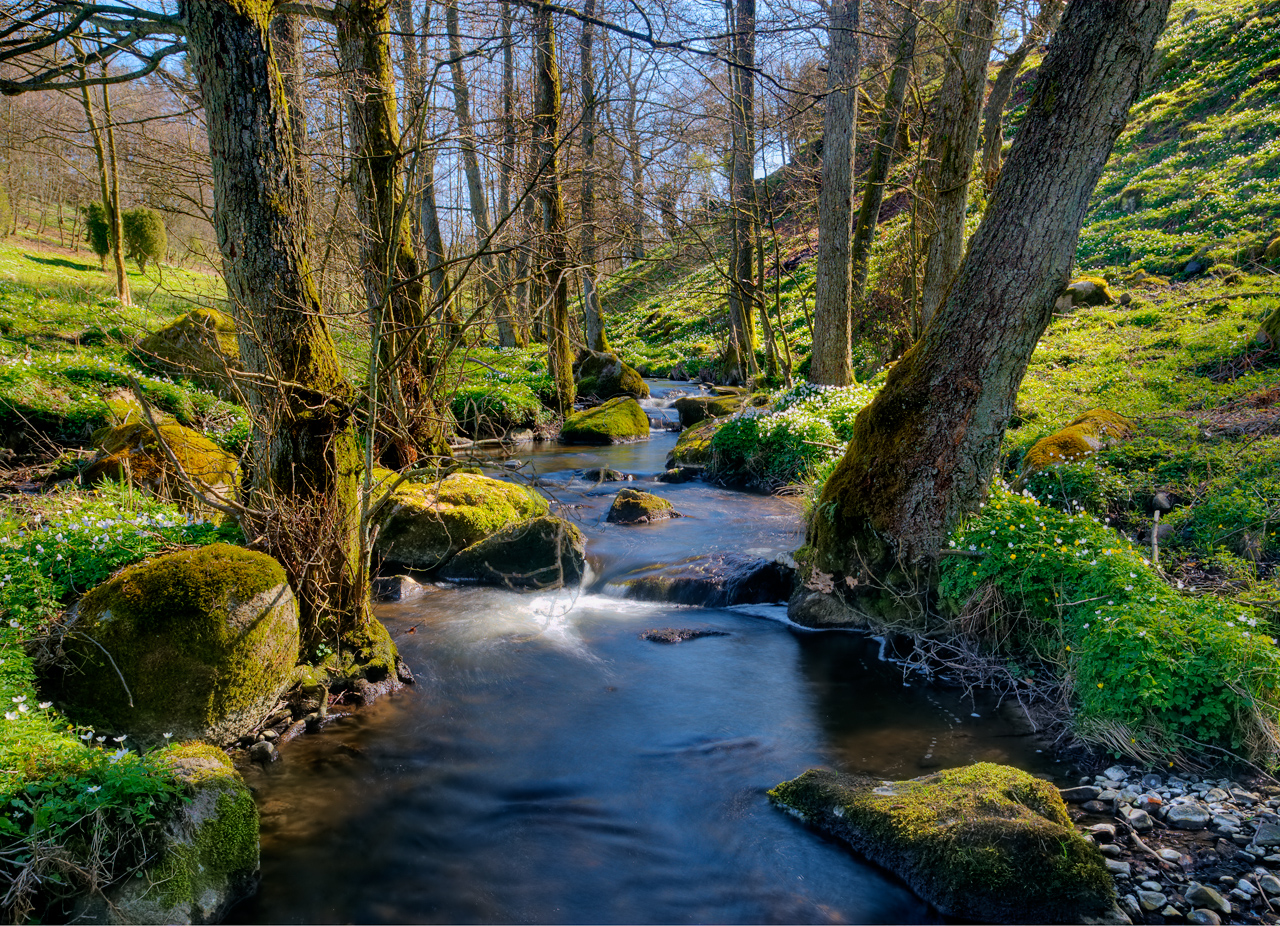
{"x":1087,"y":291}
{"x":605,"y":376}
{"x":205,"y":641}
{"x":208,"y":857}
{"x":132,"y":452}
{"x":694,"y":446}
{"x":985,"y":843}
{"x":692,"y":409}
{"x":1081,"y":438}
{"x":424,"y":525}
{"x":546,"y":552}
{"x":619,"y":421}
{"x":200,"y":345}
{"x":636,"y":506}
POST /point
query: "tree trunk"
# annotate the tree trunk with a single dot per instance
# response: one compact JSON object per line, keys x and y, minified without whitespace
{"x":742,"y":118}
{"x":593,"y":320}
{"x":555,"y":269}
{"x":831,"y":363}
{"x":952,"y":145}
{"x":923,"y":451}
{"x":306,"y":458}
{"x":494,"y":291}
{"x":286,"y":44}
{"x":1002,"y":89}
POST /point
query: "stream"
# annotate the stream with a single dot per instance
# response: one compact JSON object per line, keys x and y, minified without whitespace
{"x":550,"y":766}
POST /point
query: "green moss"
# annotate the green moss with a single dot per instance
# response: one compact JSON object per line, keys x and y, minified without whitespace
{"x":201,"y":345}
{"x":619,"y":420}
{"x":635,"y":506}
{"x":605,"y":376}
{"x":546,"y":552}
{"x":1082,"y":437}
{"x":205,"y":640}
{"x":132,"y":452}
{"x":426,"y":524}
{"x":694,"y":446}
{"x":983,"y":842}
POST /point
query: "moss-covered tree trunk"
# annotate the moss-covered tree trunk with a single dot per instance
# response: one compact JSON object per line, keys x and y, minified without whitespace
{"x":832,"y":364}
{"x":594,"y":321}
{"x":306,"y":457}
{"x":924,"y":450}
{"x":745,"y":218}
{"x":393,"y":280}
{"x":555,"y":268}
{"x":952,"y":145}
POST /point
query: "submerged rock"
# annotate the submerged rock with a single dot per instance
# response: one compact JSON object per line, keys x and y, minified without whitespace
{"x":425,"y":524}
{"x":604,"y":376}
{"x":203,"y":640}
{"x":636,"y":506}
{"x":679,"y":635}
{"x":207,"y":859}
{"x":546,"y":552}
{"x":985,"y":842}
{"x":618,"y":421}
{"x":134,"y":453}
{"x":714,"y":581}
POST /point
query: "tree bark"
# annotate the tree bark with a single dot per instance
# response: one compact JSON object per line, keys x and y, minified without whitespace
{"x":923,"y":451}
{"x":306,"y":457}
{"x":1002,"y":89}
{"x":555,"y":268}
{"x":593,"y":320}
{"x":742,"y":292}
{"x":496,"y":294}
{"x":831,"y":363}
{"x":952,"y":146}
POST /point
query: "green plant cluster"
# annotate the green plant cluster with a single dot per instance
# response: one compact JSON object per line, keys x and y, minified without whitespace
{"x":144,"y":236}
{"x":493,"y":406}
{"x":1143,"y":657}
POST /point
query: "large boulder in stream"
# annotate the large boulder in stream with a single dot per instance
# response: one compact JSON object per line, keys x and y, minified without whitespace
{"x":694,"y":445}
{"x":716,"y":580}
{"x":618,"y":421}
{"x":199,"y":644}
{"x":636,"y":506}
{"x":985,"y":843}
{"x":426,"y":524}
{"x":545,"y":552}
{"x":697,"y":408}
{"x":605,"y":376}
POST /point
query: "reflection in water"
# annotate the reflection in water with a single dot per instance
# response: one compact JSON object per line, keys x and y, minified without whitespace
{"x":551,"y":766}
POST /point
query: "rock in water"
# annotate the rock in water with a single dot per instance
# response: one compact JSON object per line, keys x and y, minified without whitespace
{"x":694,"y":446}
{"x":545,"y":552}
{"x":679,"y":634}
{"x":985,"y":842}
{"x":618,"y":421}
{"x":716,"y":580}
{"x":605,"y":376}
{"x":205,"y":641}
{"x":636,"y":506}
{"x":207,"y":859}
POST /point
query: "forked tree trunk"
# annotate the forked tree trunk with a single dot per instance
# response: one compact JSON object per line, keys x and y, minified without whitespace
{"x":923,"y":451}
{"x":555,"y":268}
{"x":594,"y":321}
{"x":831,"y":364}
{"x":306,"y":450}
{"x":952,"y":146}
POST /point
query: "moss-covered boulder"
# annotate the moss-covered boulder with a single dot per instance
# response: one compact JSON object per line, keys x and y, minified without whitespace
{"x":636,"y":506}
{"x":199,"y":644}
{"x":694,"y":445}
{"x":208,"y":857}
{"x":618,"y":421}
{"x":692,"y":409}
{"x":985,"y":843}
{"x":605,"y":376}
{"x":1081,"y":437}
{"x":546,"y":552}
{"x":200,"y":345}
{"x":133,"y":452}
{"x":1086,"y":291}
{"x":424,"y":525}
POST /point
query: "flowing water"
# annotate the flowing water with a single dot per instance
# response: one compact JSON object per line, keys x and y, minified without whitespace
{"x":551,"y":766}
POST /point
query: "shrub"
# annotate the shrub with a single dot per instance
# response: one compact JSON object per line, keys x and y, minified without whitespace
{"x":97,"y":230}
{"x":491,"y":408}
{"x":144,"y":236}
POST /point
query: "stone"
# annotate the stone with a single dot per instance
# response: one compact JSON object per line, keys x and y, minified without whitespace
{"x":1088,"y":291}
{"x":1152,"y":782}
{"x":605,"y":376}
{"x":1111,"y":850}
{"x":680,"y":474}
{"x":1268,"y":835}
{"x":716,"y":580}
{"x":1141,"y":821}
{"x":1115,"y":773}
{"x":679,"y":635}
{"x":263,"y":752}
{"x":1081,"y":794}
{"x":1080,"y":438}
{"x":1108,"y":795}
{"x":812,"y":608}
{"x":397,"y":588}
{"x":605,"y":474}
{"x":1198,"y":895}
{"x":1170,"y":855}
{"x":134,"y":452}
{"x":636,"y":506}
{"x":1103,"y":832}
{"x":424,"y":525}
{"x":200,"y":346}
{"x":545,"y":552}
{"x":1188,"y":816}
{"x":1151,"y":900}
{"x":1270,"y":884}
{"x":620,"y":420}
{"x":1170,"y":911}
{"x":206,"y":859}
{"x":693,"y":448}
{"x":1091,"y":806}
{"x":1118,"y":868}
{"x":1204,"y":918}
{"x":204,"y":640}
{"x":964,"y":839}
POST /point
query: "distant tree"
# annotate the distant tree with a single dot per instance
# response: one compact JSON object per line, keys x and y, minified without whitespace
{"x":144,"y":236}
{"x":97,"y":230}
{"x":5,"y":215}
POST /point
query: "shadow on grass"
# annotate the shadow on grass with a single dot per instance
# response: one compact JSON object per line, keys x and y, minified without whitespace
{"x":60,"y":262}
